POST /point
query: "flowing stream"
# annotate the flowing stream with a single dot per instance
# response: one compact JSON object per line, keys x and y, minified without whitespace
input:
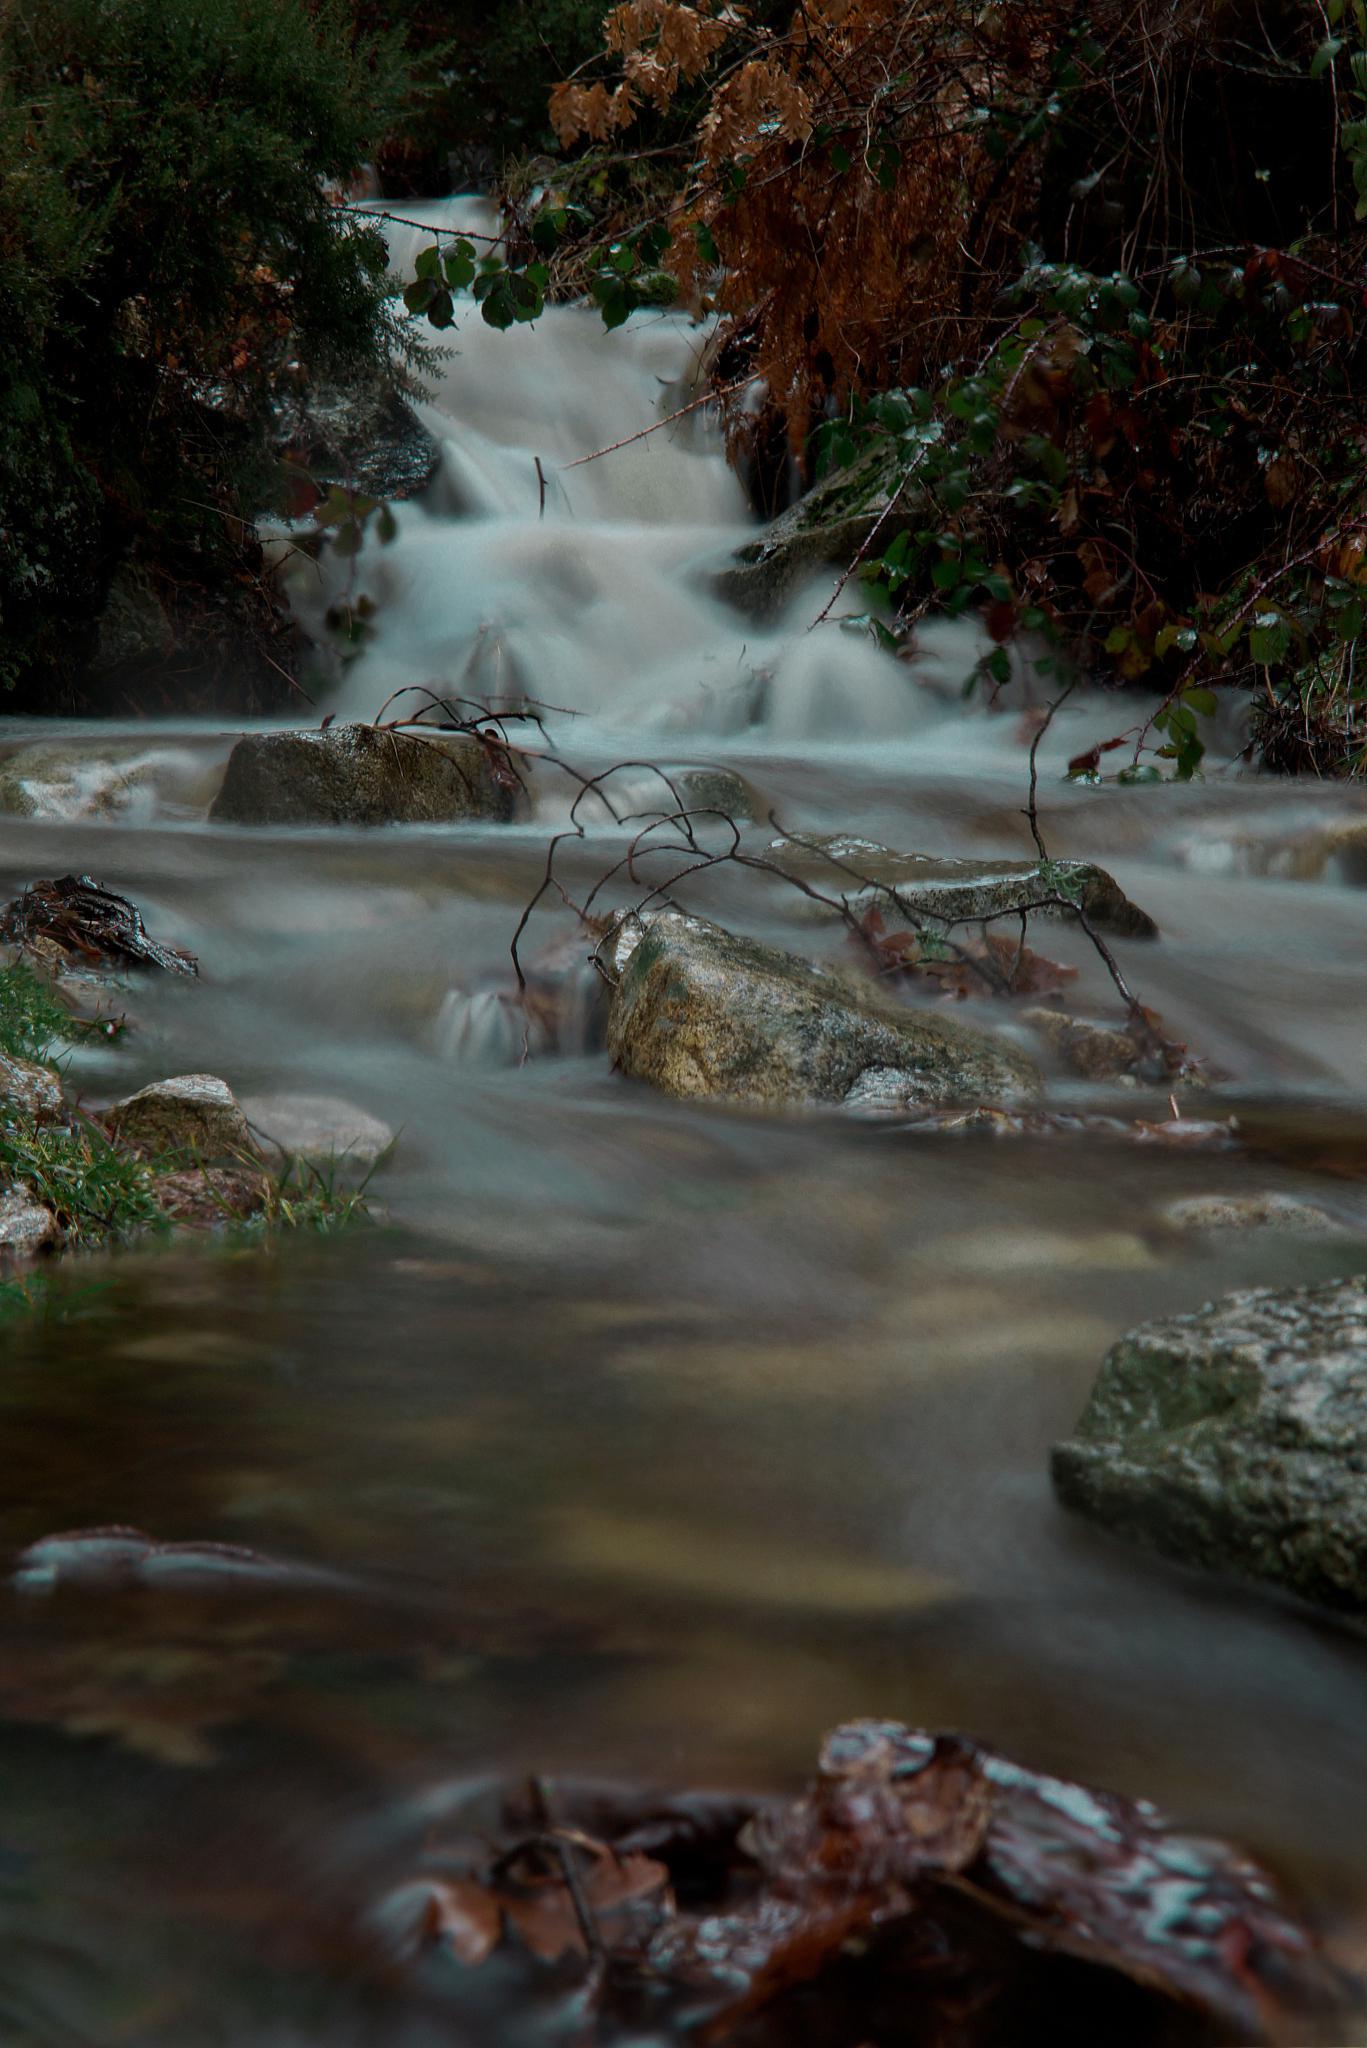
{"x":641,"y":1438}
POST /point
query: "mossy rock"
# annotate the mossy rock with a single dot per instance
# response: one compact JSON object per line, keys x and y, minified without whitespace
{"x":698,"y":1011}
{"x":1236,"y":1439}
{"x":359,"y":775}
{"x":190,"y":1113}
{"x":827,"y":527}
{"x":951,"y":892}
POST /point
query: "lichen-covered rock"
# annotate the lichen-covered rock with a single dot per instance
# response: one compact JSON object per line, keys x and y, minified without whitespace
{"x":1236,"y":1438}
{"x":359,"y":775}
{"x":922,"y":885}
{"x":317,"y":1130}
{"x":698,"y":1011}
{"x":195,"y":1113}
{"x":828,"y":526}
{"x":26,"y":1227}
{"x":29,"y":1093}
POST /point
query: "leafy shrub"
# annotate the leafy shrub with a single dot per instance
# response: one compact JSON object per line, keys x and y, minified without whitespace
{"x":170,"y":256}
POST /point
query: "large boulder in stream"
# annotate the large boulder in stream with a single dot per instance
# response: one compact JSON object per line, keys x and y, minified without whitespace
{"x":1236,"y":1438}
{"x":948,"y":892}
{"x":698,"y":1011}
{"x":360,"y":775}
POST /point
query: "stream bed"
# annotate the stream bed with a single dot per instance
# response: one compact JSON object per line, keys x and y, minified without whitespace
{"x":636,"y":1438}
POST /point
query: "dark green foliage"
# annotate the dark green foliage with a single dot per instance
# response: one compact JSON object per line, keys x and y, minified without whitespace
{"x":96,"y":1190}
{"x":169,"y":257}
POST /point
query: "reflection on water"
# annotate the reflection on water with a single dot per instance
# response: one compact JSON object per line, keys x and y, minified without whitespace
{"x":644,"y":1438}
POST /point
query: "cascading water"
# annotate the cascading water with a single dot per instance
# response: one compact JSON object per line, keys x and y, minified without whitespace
{"x":644,"y":1438}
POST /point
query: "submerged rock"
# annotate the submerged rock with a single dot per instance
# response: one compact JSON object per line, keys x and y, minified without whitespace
{"x":1265,"y":1211}
{"x":364,"y":437}
{"x":360,"y":775}
{"x":29,"y":1091}
{"x":698,"y":1011}
{"x":1236,"y":1438}
{"x":922,"y":885}
{"x":195,"y":1113}
{"x":1098,"y":1052}
{"x":317,"y":1130}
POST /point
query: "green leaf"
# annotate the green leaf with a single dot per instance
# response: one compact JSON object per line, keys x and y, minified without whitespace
{"x":1203,"y":701}
{"x":1325,"y":55}
{"x":442,"y":310}
{"x":386,"y":526}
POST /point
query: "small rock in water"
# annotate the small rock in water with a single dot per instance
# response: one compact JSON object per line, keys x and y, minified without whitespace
{"x":25,"y":1226}
{"x":318,"y":1130}
{"x":118,"y":1556}
{"x":1236,"y":1438}
{"x":698,"y":1011}
{"x":913,"y":885}
{"x":29,"y":1091}
{"x":1097,"y":1052}
{"x":194,"y":1113}
{"x":362,"y":775}
{"x":1266,"y":1211}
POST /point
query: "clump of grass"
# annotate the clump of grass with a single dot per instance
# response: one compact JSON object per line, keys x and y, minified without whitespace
{"x":96,"y":1191}
{"x":32,"y":1021}
{"x":305,"y":1197}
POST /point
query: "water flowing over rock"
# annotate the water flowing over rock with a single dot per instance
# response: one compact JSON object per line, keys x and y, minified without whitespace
{"x":698,"y":1011}
{"x":958,"y":891}
{"x":359,"y":775}
{"x":1236,"y":1438}
{"x":365,"y":438}
{"x":318,"y":1130}
{"x":195,"y":1113}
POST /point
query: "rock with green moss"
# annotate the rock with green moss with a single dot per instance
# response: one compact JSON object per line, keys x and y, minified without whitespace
{"x":698,"y":1011}
{"x":827,"y":527}
{"x":190,"y":1113}
{"x":948,"y":892}
{"x":359,"y":775}
{"x":1236,"y":1439}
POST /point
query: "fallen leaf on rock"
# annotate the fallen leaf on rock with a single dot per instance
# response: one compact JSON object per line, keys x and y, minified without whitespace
{"x":922,"y":1889}
{"x":989,"y":965}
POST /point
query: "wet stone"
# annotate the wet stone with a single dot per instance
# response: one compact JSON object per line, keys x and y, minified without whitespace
{"x":360,"y":775}
{"x":195,"y":1113}
{"x":1236,"y":1439}
{"x":25,"y":1226}
{"x":318,"y":1130}
{"x":919,"y":885}
{"x":700,"y":1012}
{"x":1263,"y":1211}
{"x":29,"y":1092}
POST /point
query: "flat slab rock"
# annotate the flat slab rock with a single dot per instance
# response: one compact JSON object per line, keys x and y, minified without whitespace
{"x":1236,"y":1438}
{"x":957,"y":891}
{"x":360,"y":775}
{"x":698,"y":1011}
{"x":319,"y":1130}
